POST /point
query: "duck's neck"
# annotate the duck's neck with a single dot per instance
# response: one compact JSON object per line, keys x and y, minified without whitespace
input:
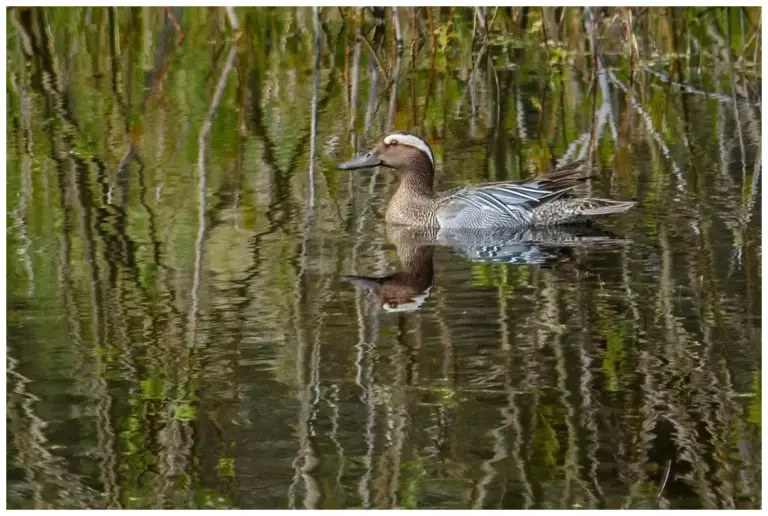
{"x":417,"y":178}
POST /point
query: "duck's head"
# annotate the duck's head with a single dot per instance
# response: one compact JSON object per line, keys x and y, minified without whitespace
{"x":400,"y":151}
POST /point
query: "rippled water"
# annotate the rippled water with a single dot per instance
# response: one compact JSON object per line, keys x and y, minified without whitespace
{"x":182,"y":331}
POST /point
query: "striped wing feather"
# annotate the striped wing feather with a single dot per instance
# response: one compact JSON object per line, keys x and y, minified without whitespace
{"x":512,"y":198}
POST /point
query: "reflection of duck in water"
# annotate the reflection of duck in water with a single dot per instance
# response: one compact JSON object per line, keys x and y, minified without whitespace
{"x":408,"y":289}
{"x":544,"y":246}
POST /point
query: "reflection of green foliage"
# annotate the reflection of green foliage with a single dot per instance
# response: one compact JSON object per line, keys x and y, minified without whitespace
{"x":448,"y":396}
{"x":210,"y":499}
{"x":443,"y":36}
{"x":613,"y":356}
{"x":185,"y":413}
{"x":545,"y":446}
{"x":153,"y":389}
{"x":411,"y":473}
{"x":559,"y":56}
{"x":756,"y":405}
{"x":501,"y":275}
{"x":226,"y":467}
{"x":481,"y":274}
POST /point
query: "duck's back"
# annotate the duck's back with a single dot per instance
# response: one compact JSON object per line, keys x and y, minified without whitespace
{"x":505,"y":204}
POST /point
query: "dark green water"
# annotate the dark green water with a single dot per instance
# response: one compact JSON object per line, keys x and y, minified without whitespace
{"x":180,"y":334}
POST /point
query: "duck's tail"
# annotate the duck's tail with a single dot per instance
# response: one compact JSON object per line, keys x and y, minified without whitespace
{"x":574,"y":210}
{"x":598,"y":207}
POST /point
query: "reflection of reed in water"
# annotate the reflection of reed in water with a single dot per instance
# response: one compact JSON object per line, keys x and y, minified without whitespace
{"x":44,"y":470}
{"x":308,"y":360}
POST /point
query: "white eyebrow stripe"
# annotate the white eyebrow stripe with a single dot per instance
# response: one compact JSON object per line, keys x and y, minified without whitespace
{"x":411,"y":141}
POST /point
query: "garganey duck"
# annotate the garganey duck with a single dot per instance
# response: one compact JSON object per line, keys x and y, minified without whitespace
{"x":539,"y":201}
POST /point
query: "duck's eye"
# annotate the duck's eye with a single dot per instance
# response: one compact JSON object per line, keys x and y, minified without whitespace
{"x":393,"y":143}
